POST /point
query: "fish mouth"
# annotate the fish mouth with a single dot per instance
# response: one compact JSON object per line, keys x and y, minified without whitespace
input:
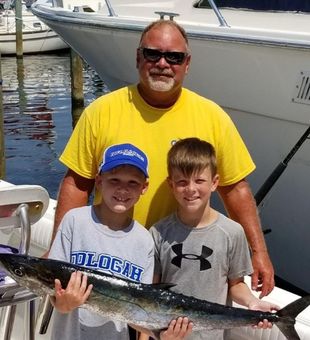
{"x":12,"y":263}
{"x":5,"y":260}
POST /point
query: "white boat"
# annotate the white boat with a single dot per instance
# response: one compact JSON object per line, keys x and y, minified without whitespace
{"x":27,"y":213}
{"x":37,"y":36}
{"x":255,"y":64}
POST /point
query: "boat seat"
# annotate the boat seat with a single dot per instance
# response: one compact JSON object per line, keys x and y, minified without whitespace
{"x":20,"y":207}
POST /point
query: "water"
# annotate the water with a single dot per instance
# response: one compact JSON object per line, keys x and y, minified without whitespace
{"x":37,"y":116}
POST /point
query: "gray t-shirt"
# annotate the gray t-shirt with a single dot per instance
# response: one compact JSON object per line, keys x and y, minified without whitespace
{"x":128,"y":253}
{"x":200,"y":260}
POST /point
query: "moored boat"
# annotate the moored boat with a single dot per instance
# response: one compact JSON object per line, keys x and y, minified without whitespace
{"x":37,"y":36}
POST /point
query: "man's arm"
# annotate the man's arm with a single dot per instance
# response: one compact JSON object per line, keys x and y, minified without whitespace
{"x":241,"y":207}
{"x":74,"y":192}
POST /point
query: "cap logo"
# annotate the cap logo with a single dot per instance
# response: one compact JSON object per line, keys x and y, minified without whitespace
{"x":127,"y":152}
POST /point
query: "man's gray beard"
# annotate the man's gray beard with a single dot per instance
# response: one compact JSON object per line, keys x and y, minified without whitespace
{"x":161,"y":86}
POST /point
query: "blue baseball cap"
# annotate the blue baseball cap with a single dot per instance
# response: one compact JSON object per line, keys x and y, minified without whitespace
{"x":124,"y":154}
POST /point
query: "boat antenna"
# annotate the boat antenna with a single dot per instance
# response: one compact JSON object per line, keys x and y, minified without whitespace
{"x":261,"y":194}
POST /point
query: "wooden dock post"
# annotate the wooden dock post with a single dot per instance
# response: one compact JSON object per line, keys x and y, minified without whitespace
{"x":19,"y":29}
{"x":2,"y":150}
{"x":77,"y":93}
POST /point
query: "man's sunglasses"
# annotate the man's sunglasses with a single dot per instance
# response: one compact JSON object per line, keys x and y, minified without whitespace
{"x":173,"y":58}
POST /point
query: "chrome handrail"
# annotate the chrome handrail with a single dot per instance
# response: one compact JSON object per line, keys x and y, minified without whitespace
{"x":19,"y":294}
{"x":110,"y":9}
{"x":15,"y":294}
{"x":22,"y":213}
{"x":45,"y":312}
{"x":219,"y":15}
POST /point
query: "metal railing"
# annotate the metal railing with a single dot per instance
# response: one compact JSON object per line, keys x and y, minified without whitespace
{"x":219,"y":15}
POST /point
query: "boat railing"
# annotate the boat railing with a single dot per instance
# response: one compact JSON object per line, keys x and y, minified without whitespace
{"x":219,"y":15}
{"x":110,"y":9}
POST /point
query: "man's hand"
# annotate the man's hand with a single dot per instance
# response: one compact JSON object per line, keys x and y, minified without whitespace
{"x":76,"y":293}
{"x":177,"y":329}
{"x":263,"y":275}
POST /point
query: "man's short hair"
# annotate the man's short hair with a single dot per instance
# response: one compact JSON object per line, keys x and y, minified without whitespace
{"x":163,"y":22}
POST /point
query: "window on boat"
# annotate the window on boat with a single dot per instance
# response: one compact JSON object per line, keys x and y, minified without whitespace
{"x":83,"y":8}
{"x":37,"y":25}
{"x":262,"y":5}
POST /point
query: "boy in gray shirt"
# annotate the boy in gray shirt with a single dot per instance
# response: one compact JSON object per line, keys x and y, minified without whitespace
{"x":197,"y":248}
{"x":103,"y":237}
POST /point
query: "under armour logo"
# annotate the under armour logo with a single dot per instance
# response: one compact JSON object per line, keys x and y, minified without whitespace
{"x":205,"y":253}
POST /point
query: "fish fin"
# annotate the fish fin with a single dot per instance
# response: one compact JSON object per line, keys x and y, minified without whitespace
{"x":156,"y":334}
{"x":288,"y":330}
{"x":163,"y":285}
{"x":295,"y":307}
{"x":288,"y":315}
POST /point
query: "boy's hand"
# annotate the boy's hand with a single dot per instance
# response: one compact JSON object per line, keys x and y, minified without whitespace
{"x":76,"y":293}
{"x":177,"y":329}
{"x":264,"y":306}
{"x":264,"y":324}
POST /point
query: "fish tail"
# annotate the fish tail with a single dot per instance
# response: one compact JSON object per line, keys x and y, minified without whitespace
{"x":288,"y":330}
{"x":288,"y":314}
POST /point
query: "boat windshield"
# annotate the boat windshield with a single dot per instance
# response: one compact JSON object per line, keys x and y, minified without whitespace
{"x":262,"y":5}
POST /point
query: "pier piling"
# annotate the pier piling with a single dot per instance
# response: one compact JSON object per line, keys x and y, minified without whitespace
{"x":77,"y":93}
{"x":19,"y":29}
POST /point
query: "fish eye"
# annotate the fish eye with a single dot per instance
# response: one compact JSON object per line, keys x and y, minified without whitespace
{"x":19,"y":271}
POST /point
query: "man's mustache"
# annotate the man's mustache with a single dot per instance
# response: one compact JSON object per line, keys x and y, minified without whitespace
{"x":160,"y":72}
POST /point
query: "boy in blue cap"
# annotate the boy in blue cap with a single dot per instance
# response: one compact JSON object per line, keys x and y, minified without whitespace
{"x":103,"y":237}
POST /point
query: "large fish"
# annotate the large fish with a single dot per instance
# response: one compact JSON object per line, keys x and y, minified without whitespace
{"x":147,"y":306}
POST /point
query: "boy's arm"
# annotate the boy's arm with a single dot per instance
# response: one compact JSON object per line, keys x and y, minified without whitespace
{"x":156,"y":278}
{"x":241,"y":294}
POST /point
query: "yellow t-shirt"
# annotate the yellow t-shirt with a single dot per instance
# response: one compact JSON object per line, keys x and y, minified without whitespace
{"x":123,"y":116}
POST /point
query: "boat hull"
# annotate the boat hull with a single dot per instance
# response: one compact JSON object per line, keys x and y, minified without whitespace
{"x":33,"y":42}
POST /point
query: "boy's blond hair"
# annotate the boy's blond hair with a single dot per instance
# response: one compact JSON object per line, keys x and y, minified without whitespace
{"x":191,"y":155}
